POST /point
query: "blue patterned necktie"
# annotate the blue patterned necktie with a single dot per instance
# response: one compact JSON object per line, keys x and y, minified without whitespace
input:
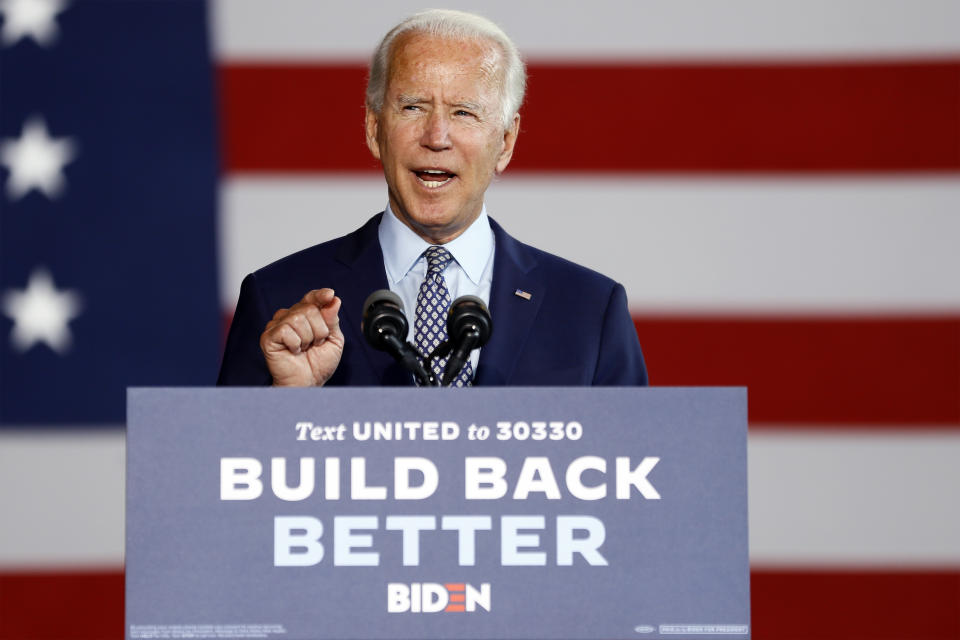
{"x":433,"y":302}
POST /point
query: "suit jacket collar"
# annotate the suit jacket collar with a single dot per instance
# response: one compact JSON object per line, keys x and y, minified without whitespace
{"x":515,"y":298}
{"x":361,"y":255}
{"x":514,"y":270}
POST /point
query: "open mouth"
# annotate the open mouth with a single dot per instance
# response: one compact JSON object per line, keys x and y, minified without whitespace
{"x":433,"y":178}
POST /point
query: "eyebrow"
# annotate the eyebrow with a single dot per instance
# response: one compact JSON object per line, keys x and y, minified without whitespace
{"x":405,"y":99}
{"x":472,"y":106}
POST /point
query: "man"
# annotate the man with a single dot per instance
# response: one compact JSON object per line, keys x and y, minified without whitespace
{"x":442,"y":118}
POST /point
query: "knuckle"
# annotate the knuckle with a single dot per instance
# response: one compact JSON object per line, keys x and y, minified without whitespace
{"x":295,"y":317}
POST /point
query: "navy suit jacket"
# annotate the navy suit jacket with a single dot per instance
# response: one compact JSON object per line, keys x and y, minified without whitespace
{"x":574,"y":329}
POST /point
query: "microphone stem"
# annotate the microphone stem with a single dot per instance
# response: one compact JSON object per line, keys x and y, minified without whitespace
{"x":468,"y":340}
{"x":408,"y":358}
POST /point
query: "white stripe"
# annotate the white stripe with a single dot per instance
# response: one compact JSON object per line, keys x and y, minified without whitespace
{"x":264,"y":219}
{"x":61,"y":498}
{"x":786,"y":245}
{"x":818,"y":497}
{"x":834,"y":499}
{"x":677,"y":29}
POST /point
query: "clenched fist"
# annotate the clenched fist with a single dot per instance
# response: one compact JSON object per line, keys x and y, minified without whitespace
{"x":303,"y":344}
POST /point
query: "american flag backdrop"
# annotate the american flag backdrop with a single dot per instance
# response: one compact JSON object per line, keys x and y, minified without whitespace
{"x":777,"y":184}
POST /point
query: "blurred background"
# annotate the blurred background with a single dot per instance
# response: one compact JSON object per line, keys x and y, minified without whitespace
{"x":777,"y":184}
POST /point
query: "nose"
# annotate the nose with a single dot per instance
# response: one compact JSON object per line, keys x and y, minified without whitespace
{"x":436,"y":132}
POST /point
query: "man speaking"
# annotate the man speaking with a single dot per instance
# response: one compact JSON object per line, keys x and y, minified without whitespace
{"x":442,"y":117}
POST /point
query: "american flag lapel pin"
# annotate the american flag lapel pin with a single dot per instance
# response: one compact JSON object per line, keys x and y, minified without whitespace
{"x":520,"y":293}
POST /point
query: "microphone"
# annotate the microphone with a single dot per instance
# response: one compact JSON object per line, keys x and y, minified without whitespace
{"x":468,"y":326}
{"x":385,"y":327}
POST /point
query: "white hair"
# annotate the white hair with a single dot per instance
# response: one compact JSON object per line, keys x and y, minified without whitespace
{"x":456,"y":25}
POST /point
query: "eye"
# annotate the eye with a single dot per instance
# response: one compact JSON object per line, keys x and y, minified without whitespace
{"x":463,"y":113}
{"x":411,"y":107}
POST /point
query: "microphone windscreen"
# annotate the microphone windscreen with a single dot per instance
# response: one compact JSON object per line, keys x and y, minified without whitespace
{"x":384,"y":296}
{"x":382,"y":316}
{"x":469,"y":312}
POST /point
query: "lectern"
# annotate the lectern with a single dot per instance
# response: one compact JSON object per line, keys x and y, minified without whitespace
{"x":429,"y":514}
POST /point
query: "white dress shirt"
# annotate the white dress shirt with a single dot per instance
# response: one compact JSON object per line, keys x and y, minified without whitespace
{"x":469,"y":273}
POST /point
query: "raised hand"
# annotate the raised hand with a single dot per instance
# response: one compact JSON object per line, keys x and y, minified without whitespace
{"x":302,"y":345}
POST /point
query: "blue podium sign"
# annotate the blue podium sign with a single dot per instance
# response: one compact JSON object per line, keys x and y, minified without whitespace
{"x":546,"y":513}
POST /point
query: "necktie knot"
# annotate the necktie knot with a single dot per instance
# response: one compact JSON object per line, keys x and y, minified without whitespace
{"x":437,"y":259}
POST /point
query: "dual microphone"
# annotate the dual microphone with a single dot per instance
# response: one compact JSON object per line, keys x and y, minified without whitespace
{"x":385,"y":327}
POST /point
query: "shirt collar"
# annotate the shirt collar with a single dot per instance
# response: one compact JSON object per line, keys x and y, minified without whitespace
{"x":402,"y":247}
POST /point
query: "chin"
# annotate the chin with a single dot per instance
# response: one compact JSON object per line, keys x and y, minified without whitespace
{"x":433,"y":223}
{"x":433,"y":216}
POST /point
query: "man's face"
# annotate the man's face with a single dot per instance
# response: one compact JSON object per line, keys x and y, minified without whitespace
{"x":440,"y":134}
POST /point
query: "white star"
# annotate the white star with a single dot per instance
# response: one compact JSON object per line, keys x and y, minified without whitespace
{"x":40,"y":313}
{"x":36,"y":160}
{"x":30,"y":18}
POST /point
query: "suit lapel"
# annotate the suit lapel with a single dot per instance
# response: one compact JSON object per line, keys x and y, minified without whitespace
{"x":362,"y":256}
{"x":513,"y":313}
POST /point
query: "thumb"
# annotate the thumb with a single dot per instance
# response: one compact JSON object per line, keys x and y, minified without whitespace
{"x":331,"y":315}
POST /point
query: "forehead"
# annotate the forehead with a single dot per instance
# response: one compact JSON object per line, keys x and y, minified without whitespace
{"x":423,"y":59}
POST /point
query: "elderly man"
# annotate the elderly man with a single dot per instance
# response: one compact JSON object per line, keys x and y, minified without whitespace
{"x":442,"y":117}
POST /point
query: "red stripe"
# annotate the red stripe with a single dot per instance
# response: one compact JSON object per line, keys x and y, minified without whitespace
{"x":786,"y":605}
{"x":61,"y":606}
{"x":293,"y":118}
{"x":632,"y":117}
{"x":856,"y":605}
{"x":869,"y":371}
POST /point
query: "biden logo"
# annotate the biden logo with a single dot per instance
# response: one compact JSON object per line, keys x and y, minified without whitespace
{"x":435,"y":597}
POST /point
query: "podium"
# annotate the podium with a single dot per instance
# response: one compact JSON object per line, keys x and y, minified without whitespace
{"x":404,"y":513}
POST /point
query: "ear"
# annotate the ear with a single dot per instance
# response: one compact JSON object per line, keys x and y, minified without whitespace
{"x":372,"y":127}
{"x":509,"y":140}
